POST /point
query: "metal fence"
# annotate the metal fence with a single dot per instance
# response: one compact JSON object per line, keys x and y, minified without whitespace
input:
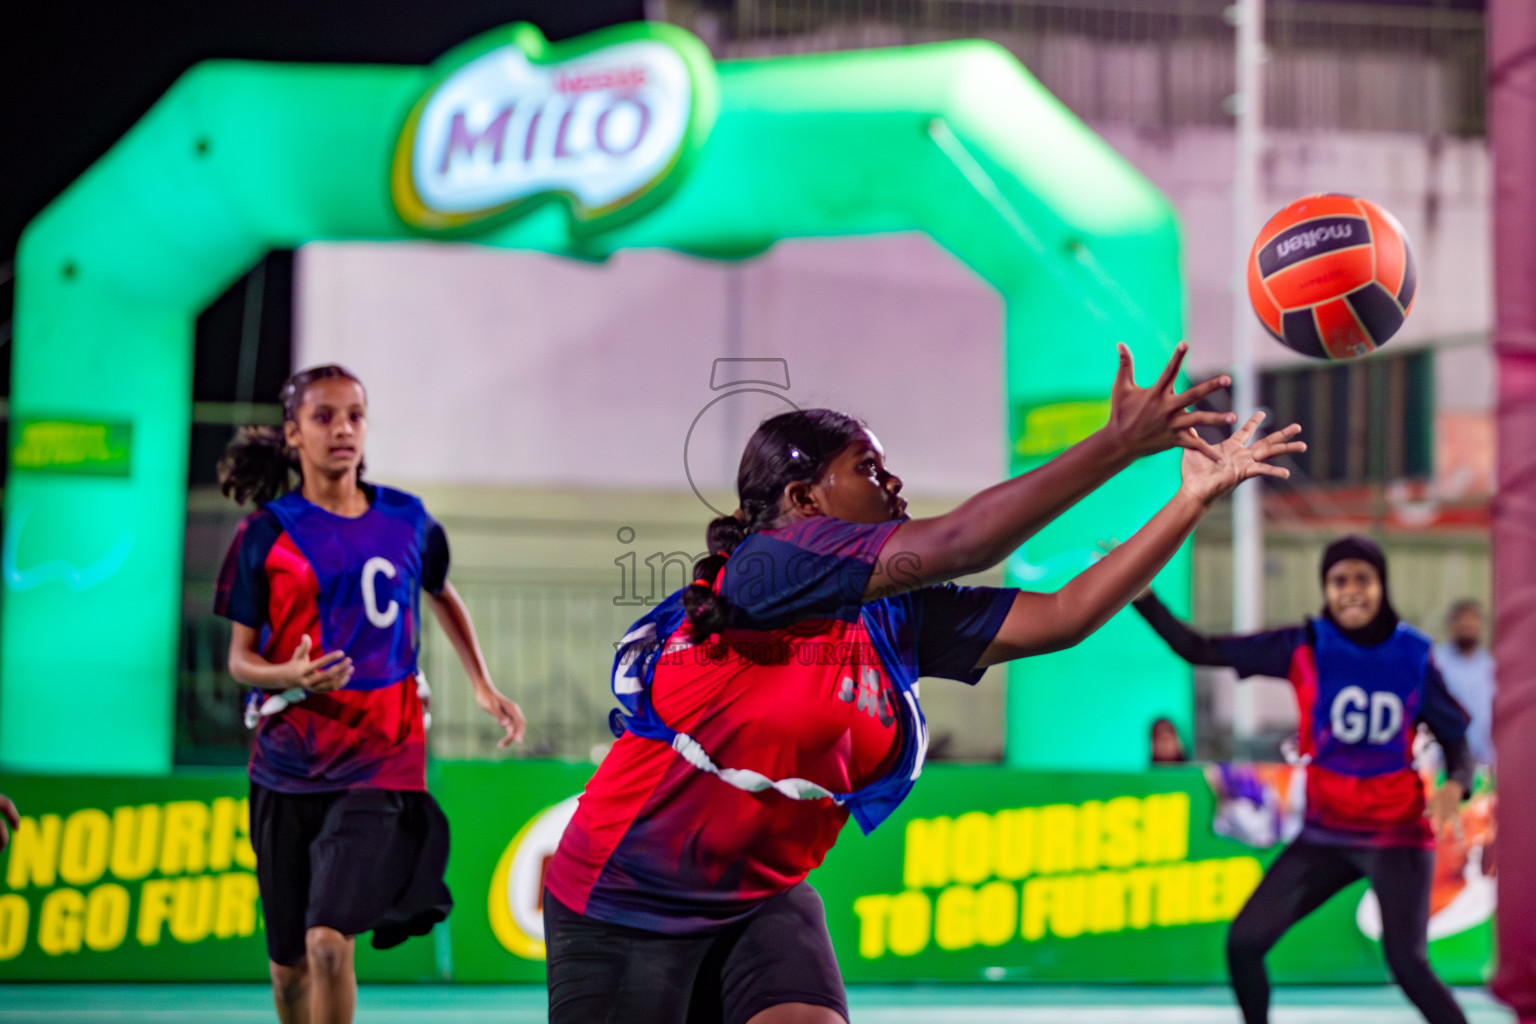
{"x":1162,"y":63}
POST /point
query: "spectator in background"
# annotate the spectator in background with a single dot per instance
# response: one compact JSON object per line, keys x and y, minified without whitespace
{"x":1167,"y":748}
{"x":1468,"y":670}
{"x":7,"y":814}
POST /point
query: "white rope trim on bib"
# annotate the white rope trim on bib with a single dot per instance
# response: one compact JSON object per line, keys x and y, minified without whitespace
{"x":744,"y":778}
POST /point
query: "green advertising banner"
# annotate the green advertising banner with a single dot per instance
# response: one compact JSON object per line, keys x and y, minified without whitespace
{"x":124,"y":879}
{"x":985,"y":874}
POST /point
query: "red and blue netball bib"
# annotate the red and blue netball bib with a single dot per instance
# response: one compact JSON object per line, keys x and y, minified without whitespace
{"x":1358,"y":709}
{"x":350,"y":585}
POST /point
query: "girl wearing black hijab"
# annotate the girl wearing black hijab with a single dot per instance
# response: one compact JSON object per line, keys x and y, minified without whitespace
{"x":1363,"y":682}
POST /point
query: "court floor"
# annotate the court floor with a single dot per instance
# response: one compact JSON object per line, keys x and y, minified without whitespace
{"x":915,"y":1004}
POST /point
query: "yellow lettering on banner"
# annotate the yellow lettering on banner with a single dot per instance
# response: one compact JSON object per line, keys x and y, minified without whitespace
{"x":872,"y":912}
{"x":1058,"y":839}
{"x":927,"y":853}
{"x":34,"y":853}
{"x":1120,"y":846}
{"x":1206,"y":890}
{"x":154,"y":909}
{"x":135,"y":841}
{"x":83,"y":852}
{"x":1242,"y":876}
{"x":954,"y":919}
{"x":1090,"y":834}
{"x":997,"y":912}
{"x":1106,"y":902}
{"x":61,"y":922}
{"x":1166,"y":827}
{"x":911,"y":923}
{"x":972,"y":844}
{"x":1069,"y":899}
{"x":237,"y":905}
{"x":1173,"y":895}
{"x":14,"y":914}
{"x":192,"y":913}
{"x":1036,"y":906}
{"x":221,"y":833}
{"x":184,"y":846}
{"x":245,"y":854}
{"x":106,"y":917}
{"x":1139,"y":883}
{"x":1013,"y":843}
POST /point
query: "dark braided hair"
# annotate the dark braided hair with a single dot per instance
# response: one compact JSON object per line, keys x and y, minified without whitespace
{"x":258,"y":465}
{"x":790,"y":447}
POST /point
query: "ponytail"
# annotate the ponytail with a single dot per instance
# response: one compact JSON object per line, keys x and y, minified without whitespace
{"x":707,"y":611}
{"x":793,"y":446}
{"x":257,"y":466}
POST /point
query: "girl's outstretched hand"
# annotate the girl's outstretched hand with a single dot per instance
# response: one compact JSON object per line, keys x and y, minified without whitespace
{"x":1210,"y":471}
{"x":1148,"y":420}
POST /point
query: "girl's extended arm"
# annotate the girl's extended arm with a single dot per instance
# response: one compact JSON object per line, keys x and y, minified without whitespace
{"x":989,"y":526}
{"x":453,"y":616}
{"x":1190,"y":644}
{"x":1038,"y":623}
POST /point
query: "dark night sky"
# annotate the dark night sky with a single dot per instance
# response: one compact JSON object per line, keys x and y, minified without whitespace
{"x":78,"y":75}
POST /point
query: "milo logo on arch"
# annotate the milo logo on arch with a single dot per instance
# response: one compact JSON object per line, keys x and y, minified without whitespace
{"x":606,"y":123}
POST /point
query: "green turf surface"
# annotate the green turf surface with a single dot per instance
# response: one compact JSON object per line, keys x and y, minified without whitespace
{"x":916,"y":1004}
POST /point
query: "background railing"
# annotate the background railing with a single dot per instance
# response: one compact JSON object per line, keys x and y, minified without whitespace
{"x":1162,"y":63}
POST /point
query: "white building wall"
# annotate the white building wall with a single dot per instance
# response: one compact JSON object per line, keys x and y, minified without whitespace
{"x":521,"y":369}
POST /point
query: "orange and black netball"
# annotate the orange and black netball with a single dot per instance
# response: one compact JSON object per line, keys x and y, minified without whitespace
{"x":1332,"y":276}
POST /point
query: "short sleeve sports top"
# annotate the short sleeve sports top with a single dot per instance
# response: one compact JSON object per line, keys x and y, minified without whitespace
{"x":294,"y":570}
{"x":800,"y":687}
{"x":1358,"y":709}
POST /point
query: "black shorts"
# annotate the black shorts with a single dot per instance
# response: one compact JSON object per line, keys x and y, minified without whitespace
{"x":358,"y":860}
{"x":603,"y":973}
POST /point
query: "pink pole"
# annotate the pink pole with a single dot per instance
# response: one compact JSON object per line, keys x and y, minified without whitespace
{"x":1512,"y":136}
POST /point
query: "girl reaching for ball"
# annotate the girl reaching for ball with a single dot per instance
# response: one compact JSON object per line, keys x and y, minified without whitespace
{"x":775,"y":696}
{"x":1363,"y":682}
{"x":323,"y":586}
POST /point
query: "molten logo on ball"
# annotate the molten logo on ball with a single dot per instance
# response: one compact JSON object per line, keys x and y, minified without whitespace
{"x":1332,"y":276}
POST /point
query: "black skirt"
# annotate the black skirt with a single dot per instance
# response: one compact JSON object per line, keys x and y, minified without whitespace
{"x":358,"y":860}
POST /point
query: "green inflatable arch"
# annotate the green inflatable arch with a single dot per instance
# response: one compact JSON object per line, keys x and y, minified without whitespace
{"x":955,"y":140}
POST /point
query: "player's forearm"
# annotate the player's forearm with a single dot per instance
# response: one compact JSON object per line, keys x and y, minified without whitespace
{"x":251,"y":669}
{"x":453,"y":616}
{"x":1108,"y":585}
{"x":1004,"y":516}
{"x":1459,"y":763}
{"x":1191,"y":645}
{"x":990,"y":526}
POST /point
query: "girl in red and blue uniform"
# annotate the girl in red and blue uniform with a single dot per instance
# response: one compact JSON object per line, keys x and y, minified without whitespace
{"x":777,"y":695}
{"x":323,"y":586}
{"x":1363,"y":682}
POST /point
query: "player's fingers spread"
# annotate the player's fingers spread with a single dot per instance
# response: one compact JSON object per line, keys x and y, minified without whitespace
{"x":1283,"y":434}
{"x":1201,"y":390}
{"x":1193,"y":441}
{"x":1202,"y":419}
{"x":301,"y":652}
{"x":1171,"y":371}
{"x":1265,"y":469}
{"x":1125,"y":371}
{"x":1245,"y":432}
